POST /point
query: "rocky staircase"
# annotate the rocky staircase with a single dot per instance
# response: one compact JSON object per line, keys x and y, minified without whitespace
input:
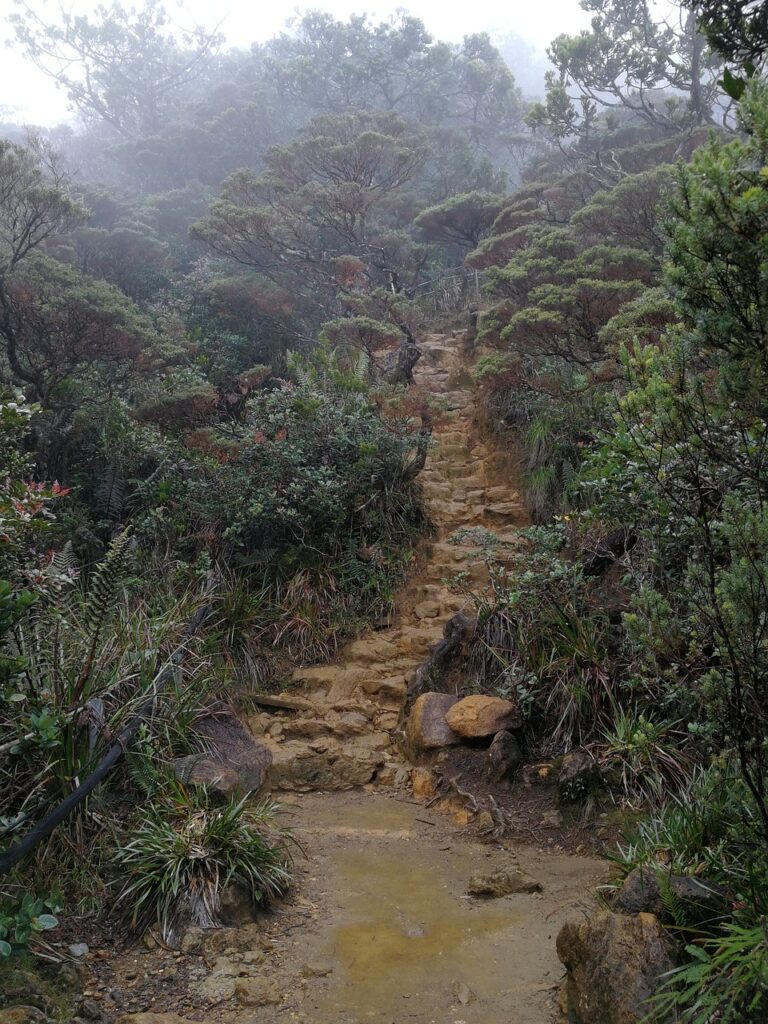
{"x":341,"y":732}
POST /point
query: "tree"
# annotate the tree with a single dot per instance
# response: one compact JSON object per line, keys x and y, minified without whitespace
{"x":737,"y":29}
{"x":462,"y":220}
{"x":56,"y":324}
{"x":322,"y":200}
{"x":36,"y":202}
{"x":60,"y":327}
{"x":334,"y":67}
{"x":123,"y":67}
{"x":631,"y":62}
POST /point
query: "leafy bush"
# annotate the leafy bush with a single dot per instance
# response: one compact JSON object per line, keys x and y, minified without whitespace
{"x":187,"y":849}
{"x":710,"y":829}
{"x":311,"y":500}
{"x":648,"y":755}
{"x":22,"y":918}
{"x":539,"y":639}
{"x":726,"y":980}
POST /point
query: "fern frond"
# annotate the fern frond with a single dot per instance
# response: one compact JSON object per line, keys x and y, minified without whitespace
{"x":101,"y":600}
{"x":110,"y":494}
{"x":362,"y":369}
{"x":65,"y":562}
{"x":105,"y":582}
{"x":141,"y":765}
{"x":670,"y":900}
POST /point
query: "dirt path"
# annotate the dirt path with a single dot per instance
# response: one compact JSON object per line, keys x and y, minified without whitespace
{"x":344,"y":736}
{"x":379,"y":927}
{"x":390,"y":915}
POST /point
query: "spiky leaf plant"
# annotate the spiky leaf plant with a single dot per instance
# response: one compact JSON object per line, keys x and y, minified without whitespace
{"x":188,"y":849}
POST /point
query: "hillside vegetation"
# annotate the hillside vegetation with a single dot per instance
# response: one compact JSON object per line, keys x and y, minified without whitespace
{"x":212,"y":293}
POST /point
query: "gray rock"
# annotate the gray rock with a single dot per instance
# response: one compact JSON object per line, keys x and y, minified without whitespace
{"x":317,"y":969}
{"x":233,"y":758}
{"x":22,"y":1015}
{"x":504,"y":756}
{"x":613,"y":966}
{"x":503,"y":882}
{"x":217,"y":987}
{"x":90,"y":1010}
{"x":78,"y":949}
{"x":237,"y":906}
{"x":579,"y":776}
{"x":463,"y":994}
{"x":257,"y":992}
{"x":427,"y":728}
{"x":701,"y":902}
{"x":193,"y":940}
{"x":199,"y":770}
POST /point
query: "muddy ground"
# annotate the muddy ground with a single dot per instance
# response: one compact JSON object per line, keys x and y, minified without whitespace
{"x":379,"y":928}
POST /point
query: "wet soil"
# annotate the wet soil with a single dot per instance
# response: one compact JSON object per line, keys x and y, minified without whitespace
{"x":407,"y":943}
{"x":379,"y":929}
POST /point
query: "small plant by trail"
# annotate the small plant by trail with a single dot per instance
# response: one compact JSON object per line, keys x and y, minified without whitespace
{"x":187,"y":848}
{"x":23,"y":917}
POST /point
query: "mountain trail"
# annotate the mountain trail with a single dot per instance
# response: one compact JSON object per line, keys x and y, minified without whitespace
{"x":345,"y":734}
{"x":379,"y":927}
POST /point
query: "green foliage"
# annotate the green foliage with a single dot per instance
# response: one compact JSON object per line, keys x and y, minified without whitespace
{"x":186,"y":849}
{"x":534,"y":640}
{"x":21,"y":919}
{"x":316,"y":503}
{"x":647,"y":755}
{"x":726,"y":979}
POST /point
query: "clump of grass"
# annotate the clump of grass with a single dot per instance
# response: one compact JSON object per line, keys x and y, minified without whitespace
{"x":188,"y":849}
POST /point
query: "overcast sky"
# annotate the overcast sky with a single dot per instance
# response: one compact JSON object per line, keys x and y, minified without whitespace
{"x":34,"y":98}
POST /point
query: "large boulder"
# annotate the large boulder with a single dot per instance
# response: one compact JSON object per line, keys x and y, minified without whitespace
{"x":480,"y":715}
{"x":427,"y":728}
{"x":613,"y":965}
{"x":233,"y":759}
{"x":699,"y":902}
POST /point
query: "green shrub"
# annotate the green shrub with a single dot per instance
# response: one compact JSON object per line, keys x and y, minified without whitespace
{"x":726,"y":980}
{"x":22,"y":917}
{"x":710,"y":829}
{"x":188,"y":848}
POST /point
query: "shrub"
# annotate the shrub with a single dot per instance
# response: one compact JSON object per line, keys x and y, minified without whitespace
{"x":187,"y":849}
{"x":710,"y":829}
{"x":726,"y":980}
{"x":23,"y":917}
